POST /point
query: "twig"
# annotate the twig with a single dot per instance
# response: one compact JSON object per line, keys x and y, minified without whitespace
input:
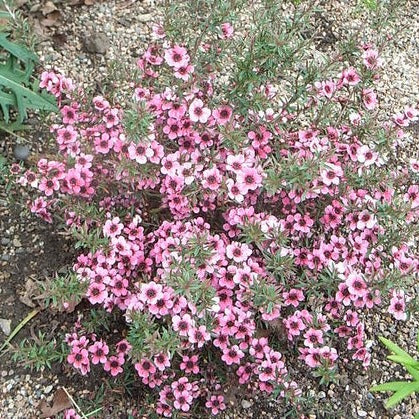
{"x":74,"y":403}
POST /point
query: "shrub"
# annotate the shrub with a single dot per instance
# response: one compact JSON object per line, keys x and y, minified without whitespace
{"x":239,"y":215}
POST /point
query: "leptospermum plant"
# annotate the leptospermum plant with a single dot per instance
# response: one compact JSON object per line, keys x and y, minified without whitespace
{"x":231,"y":211}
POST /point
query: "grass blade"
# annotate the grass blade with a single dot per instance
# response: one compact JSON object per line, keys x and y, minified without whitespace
{"x":30,"y":316}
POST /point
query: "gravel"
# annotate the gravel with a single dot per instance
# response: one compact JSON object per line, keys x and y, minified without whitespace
{"x":99,"y":34}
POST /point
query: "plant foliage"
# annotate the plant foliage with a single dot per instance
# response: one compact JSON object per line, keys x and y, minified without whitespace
{"x":400,"y":389}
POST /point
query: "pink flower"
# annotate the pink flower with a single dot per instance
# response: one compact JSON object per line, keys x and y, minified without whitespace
{"x":183,"y":401}
{"x":184,"y":73}
{"x":71,"y":414}
{"x":182,"y":324}
{"x":98,"y":351}
{"x":177,"y":57}
{"x":414,"y":165}
{"x":172,"y":129}
{"x":158,"y":31}
{"x":249,"y":178}
{"x":211,"y":179}
{"x":216,"y":404}
{"x":151,"y":292}
{"x":356,"y":285}
{"x":234,"y":191}
{"x":245,"y":372}
{"x":112,"y":228}
{"x":350,"y":77}
{"x":235,"y":163}
{"x":123,"y":347}
{"x":119,"y":285}
{"x":100,"y":103}
{"x":97,"y":293}
{"x":412,"y":195}
{"x":140,"y":152}
{"x":329,"y":354}
{"x":351,"y":318}
{"x":313,"y":357}
{"x":232,"y":355}
{"x":197,"y":111}
{"x":331,"y":175}
{"x":293,"y":297}
{"x":303,"y":223}
{"x":222,"y":114}
{"x":145,"y":368}
{"x":343,"y":295}
{"x":371,"y":59}
{"x":199,"y":336}
{"x":411,"y":113}
{"x":181,"y":385}
{"x":267,"y":371}
{"x":326,"y":88}
{"x":397,"y":307}
{"x":190,"y":364}
{"x":78,"y":357}
{"x":365,"y":220}
{"x":161,"y":361}
{"x":366,"y":156}
{"x":227,"y":30}
{"x":369,"y":98}
{"x":111,"y":117}
{"x":104,"y":143}
{"x":313,"y":337}
{"x":258,"y":347}
{"x":294,"y":325}
{"x":67,"y":135}
{"x":49,"y":186}
{"x":221,"y":341}
{"x":239,"y":252}
{"x":113,"y":365}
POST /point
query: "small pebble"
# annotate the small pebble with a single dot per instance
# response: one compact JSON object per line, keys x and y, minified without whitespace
{"x":21,"y":152}
{"x":48,"y":389}
{"x":246,"y":404}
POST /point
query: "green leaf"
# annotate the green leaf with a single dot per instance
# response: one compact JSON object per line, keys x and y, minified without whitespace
{"x":414,"y":372}
{"x":390,"y":386}
{"x":395,"y":348}
{"x":15,"y":83}
{"x":403,"y":360}
{"x":25,"y":98}
{"x":18,"y":51}
{"x":404,"y":392}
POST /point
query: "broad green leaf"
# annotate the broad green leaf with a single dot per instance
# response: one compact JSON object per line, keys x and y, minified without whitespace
{"x":16,"y":50}
{"x":403,"y":360}
{"x":26,"y":95}
{"x":394,"y":348}
{"x":414,"y":372}
{"x":6,"y":100}
{"x":404,"y":392}
{"x":4,"y":14}
{"x":16,"y":89}
{"x":390,"y":386}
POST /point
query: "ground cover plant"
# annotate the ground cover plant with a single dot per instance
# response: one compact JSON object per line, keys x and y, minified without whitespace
{"x":237,"y":214}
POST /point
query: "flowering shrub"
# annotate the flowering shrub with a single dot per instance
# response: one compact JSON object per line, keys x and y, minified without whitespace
{"x":226,"y":214}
